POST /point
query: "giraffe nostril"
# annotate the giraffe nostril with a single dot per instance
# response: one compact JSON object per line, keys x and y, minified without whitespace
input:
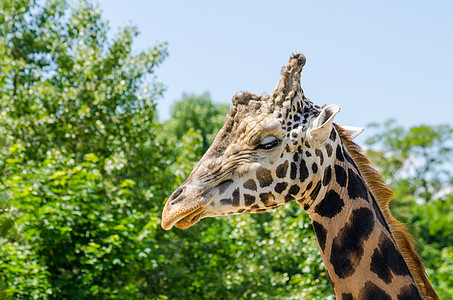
{"x":175,"y":195}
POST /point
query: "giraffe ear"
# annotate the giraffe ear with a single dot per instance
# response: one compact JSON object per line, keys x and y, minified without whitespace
{"x":322,"y":126}
{"x":353,"y":131}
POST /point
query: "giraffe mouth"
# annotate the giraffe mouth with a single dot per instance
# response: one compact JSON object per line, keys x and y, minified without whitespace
{"x":191,"y":219}
{"x":187,"y":206}
{"x":175,"y":215}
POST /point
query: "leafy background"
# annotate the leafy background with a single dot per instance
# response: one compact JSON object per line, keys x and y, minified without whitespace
{"x":86,"y":167}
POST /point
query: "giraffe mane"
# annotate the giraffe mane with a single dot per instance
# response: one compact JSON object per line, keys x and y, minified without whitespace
{"x":383,"y":194}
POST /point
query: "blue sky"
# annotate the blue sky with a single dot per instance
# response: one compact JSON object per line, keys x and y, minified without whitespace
{"x":376,"y":59}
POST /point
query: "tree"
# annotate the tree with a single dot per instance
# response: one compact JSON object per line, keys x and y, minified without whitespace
{"x":65,"y":84}
{"x":199,"y":113}
{"x":87,"y":165}
{"x":417,"y":159}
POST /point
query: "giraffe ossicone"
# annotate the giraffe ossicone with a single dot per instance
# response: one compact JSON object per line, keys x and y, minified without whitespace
{"x":281,"y":147}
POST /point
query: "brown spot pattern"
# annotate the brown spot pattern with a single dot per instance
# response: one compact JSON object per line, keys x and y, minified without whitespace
{"x":236,"y":197}
{"x":249,"y":199}
{"x":264,"y":176}
{"x":280,"y":187}
{"x":265,"y":197}
{"x":282,"y":169}
{"x":250,"y":185}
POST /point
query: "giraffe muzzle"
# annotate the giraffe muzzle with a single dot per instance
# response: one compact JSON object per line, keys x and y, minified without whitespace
{"x":185,"y":207}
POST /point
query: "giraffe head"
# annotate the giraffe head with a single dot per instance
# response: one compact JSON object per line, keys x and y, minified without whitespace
{"x":270,"y":151}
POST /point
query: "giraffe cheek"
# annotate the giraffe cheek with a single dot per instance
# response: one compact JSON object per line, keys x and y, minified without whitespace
{"x":245,"y":170}
{"x":249,"y":199}
{"x":250,"y":185}
{"x":268,"y":199}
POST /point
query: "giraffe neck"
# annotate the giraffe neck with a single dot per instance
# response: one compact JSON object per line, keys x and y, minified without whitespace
{"x":358,"y":249}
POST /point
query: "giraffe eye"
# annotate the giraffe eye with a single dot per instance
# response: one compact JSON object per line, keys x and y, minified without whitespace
{"x":269,"y":142}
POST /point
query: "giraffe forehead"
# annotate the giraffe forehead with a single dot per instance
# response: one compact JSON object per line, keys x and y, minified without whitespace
{"x":291,"y":113}
{"x":244,"y":103}
{"x":264,"y":124}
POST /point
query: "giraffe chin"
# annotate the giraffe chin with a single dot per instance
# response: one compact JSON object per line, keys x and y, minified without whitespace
{"x":191,"y":219}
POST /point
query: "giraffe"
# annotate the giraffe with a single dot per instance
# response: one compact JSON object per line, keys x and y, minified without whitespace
{"x":281,"y":147}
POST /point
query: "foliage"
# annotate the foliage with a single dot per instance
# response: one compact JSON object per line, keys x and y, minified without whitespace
{"x":199,"y":113}
{"x":417,"y":159}
{"x":8,"y":227}
{"x":83,"y":151}
{"x":432,"y":226}
{"x":79,"y":238}
{"x":65,"y":85}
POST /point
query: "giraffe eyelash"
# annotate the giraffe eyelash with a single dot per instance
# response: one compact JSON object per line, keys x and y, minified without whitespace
{"x":269,"y":142}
